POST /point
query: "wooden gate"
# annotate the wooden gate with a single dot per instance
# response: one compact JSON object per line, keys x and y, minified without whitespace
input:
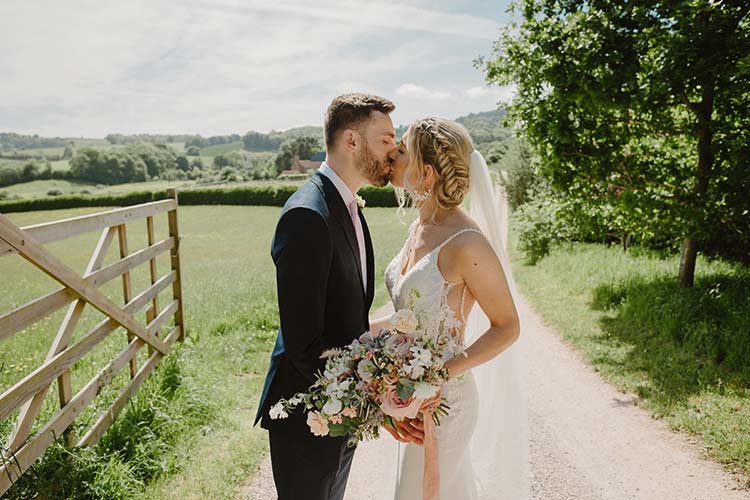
{"x":78,"y":291}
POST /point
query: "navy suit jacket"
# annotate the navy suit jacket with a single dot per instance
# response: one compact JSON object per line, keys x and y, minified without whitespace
{"x":322,"y":300}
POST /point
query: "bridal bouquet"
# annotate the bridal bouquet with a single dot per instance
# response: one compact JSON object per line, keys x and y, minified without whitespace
{"x":378,"y":377}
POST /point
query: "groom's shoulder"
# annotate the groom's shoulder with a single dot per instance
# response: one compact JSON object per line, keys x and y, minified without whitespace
{"x":308,"y":196}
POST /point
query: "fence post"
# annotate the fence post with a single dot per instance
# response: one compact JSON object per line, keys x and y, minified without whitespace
{"x":175,"y":262}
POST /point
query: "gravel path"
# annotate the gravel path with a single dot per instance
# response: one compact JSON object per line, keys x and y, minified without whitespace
{"x":588,"y":441}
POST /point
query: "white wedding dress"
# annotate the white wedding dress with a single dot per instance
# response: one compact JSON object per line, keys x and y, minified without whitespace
{"x":457,"y":477}
{"x":483,"y":444}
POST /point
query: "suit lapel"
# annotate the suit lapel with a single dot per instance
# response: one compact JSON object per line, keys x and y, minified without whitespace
{"x":369,"y":252}
{"x":341,"y":214}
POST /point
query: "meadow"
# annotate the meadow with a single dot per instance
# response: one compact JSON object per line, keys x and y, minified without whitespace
{"x":39,"y":188}
{"x":202,"y":443}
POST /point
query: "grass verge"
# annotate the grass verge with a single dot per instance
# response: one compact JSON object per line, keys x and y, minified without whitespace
{"x":684,"y":352}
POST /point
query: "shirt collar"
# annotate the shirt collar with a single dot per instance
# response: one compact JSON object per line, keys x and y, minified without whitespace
{"x":341,"y":187}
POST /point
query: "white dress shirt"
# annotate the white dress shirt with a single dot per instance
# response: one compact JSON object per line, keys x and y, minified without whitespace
{"x":348,"y":197}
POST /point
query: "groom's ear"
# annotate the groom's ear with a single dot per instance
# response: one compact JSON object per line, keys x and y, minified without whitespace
{"x":350,"y":140}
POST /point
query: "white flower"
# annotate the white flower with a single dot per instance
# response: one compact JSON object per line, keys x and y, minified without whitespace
{"x":295,"y":400}
{"x":413,"y":370}
{"x":404,"y":321}
{"x":329,"y":353}
{"x":422,"y":356}
{"x":332,"y":407}
{"x":365,"y":370}
{"x":366,"y":337}
{"x":317,"y":423}
{"x":424,"y":391}
{"x":360,"y":201}
{"x":277,"y":411}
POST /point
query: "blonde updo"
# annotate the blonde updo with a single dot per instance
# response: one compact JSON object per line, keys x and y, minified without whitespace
{"x":447,"y":146}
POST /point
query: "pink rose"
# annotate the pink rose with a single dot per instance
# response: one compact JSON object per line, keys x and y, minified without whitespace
{"x":394,"y":406}
{"x":398,"y":344}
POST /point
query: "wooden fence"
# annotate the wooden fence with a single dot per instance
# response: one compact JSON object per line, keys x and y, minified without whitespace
{"x":27,"y":395}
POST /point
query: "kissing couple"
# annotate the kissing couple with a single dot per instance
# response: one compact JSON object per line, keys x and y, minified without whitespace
{"x":453,"y":260}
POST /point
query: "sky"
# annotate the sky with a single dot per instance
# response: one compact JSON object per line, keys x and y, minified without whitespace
{"x":90,"y":68}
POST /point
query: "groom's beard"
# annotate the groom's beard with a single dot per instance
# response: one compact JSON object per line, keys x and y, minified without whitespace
{"x":377,"y":172}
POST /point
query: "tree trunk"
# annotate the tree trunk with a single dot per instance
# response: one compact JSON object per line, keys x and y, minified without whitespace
{"x":704,"y":132}
{"x":686,"y":275}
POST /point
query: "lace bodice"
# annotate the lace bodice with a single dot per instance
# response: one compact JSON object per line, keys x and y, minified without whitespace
{"x":425,"y":276}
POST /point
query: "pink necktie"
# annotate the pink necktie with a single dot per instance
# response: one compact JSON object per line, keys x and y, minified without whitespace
{"x":354,"y":213}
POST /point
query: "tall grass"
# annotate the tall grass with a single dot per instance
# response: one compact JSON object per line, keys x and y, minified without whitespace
{"x":684,"y":352}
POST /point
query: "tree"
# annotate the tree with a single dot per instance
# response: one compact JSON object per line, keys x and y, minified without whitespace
{"x":233,"y":159}
{"x":303,"y":147}
{"x":255,"y":141}
{"x":183,"y":163}
{"x":69,"y":151}
{"x":641,"y":106}
{"x":193,"y":151}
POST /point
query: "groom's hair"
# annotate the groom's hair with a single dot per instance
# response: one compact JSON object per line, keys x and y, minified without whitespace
{"x":351,"y":111}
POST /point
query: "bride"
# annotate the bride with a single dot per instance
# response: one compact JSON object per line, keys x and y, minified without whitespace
{"x":456,"y":260}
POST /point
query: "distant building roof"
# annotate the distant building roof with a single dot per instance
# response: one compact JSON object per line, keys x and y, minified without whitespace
{"x":303,"y":166}
{"x":319,"y":156}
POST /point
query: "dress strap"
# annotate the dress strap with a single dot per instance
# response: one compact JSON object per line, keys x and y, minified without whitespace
{"x":457,"y":233}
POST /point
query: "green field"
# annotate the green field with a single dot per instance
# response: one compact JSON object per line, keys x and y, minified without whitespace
{"x":39,"y":189}
{"x":220,"y":149}
{"x":229,"y":295}
{"x":60,"y":165}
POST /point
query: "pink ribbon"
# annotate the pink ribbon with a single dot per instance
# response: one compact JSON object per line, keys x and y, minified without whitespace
{"x":431,"y":478}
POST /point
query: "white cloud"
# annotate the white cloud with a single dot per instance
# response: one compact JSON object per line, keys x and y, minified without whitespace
{"x":93,"y":68}
{"x":502,"y":94}
{"x":418,"y":92}
{"x":377,"y":14}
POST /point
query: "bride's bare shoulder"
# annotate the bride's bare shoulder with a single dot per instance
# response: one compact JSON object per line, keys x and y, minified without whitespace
{"x":470,"y":241}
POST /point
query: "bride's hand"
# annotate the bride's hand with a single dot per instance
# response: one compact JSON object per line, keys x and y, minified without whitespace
{"x":429,"y":405}
{"x":407,"y":431}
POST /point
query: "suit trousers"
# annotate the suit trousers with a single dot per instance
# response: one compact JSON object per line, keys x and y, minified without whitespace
{"x":308,"y":467}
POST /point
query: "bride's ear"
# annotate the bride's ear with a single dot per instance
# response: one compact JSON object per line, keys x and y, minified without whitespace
{"x":429,"y":176}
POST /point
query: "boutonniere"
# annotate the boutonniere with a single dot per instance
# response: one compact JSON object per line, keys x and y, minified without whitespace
{"x":360,"y":201}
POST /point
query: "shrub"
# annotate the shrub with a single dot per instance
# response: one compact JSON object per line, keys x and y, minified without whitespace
{"x":539,"y":226}
{"x":54,"y":192}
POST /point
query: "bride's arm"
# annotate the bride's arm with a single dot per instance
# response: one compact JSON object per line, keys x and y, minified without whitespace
{"x":483,"y":274}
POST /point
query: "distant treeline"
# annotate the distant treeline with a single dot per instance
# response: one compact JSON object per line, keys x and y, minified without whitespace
{"x":148,"y":138}
{"x":258,"y":141}
{"x":31,"y":170}
{"x":11,"y":140}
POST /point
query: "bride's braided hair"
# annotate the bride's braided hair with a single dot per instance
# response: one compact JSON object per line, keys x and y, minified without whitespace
{"x":447,"y":146}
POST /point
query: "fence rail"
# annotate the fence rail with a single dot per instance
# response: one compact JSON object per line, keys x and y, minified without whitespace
{"x":77,"y":292}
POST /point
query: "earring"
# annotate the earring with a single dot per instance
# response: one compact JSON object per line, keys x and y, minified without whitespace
{"x":419,"y":196}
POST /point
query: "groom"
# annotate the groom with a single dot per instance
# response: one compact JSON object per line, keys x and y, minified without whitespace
{"x":324,"y":273}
